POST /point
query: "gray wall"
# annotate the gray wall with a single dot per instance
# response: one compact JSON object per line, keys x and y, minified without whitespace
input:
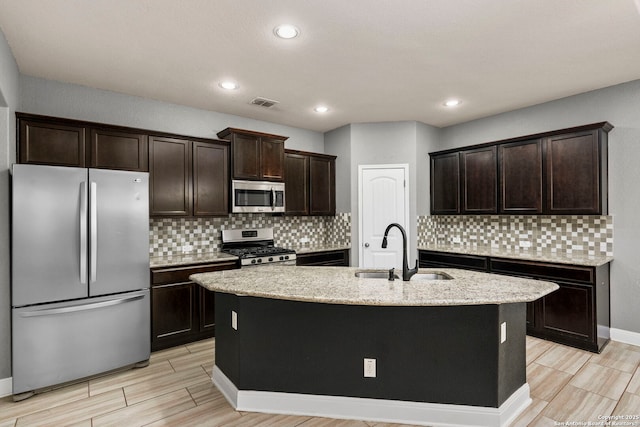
{"x":387,"y":143}
{"x":8,"y":103}
{"x":338,"y":143}
{"x":52,"y":98}
{"x":619,"y":105}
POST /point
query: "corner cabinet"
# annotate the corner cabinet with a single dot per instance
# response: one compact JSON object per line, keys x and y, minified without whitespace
{"x":255,"y":155}
{"x":182,"y":311}
{"x":188,"y":178}
{"x":64,"y":142}
{"x":577,"y":314}
{"x":310,"y":183}
{"x":563,"y":172}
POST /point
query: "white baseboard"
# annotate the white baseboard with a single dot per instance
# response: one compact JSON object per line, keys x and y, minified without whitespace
{"x":6,"y":386}
{"x":626,"y":337}
{"x":378,"y":410}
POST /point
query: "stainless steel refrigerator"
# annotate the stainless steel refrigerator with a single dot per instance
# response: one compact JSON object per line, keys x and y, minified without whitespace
{"x":80,"y":273}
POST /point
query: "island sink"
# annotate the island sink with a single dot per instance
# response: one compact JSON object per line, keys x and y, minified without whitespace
{"x":384,"y":274}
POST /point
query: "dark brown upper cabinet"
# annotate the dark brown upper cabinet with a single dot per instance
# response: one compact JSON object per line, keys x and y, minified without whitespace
{"x":255,"y":155}
{"x":521,"y":177}
{"x":322,"y":185}
{"x":63,"y":142}
{"x":576,"y":171}
{"x":310,"y":183}
{"x":563,"y":172}
{"x":445,"y":184}
{"x":188,"y":178}
{"x":296,"y":179}
{"x":113,"y":149}
{"x":169,"y":176}
{"x":478,"y":170}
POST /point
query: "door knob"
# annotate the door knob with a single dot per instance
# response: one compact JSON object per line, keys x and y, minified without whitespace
{"x":366,"y":245}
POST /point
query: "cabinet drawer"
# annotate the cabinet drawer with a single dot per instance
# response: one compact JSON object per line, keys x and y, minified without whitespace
{"x":441,"y":259}
{"x":161,"y":276}
{"x":543,"y":271}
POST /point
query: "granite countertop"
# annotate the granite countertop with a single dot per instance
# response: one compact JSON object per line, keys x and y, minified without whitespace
{"x":523,"y":254}
{"x":186,"y":259}
{"x":339,"y":285}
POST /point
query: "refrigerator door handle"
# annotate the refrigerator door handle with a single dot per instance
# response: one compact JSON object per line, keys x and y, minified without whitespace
{"x":80,"y":307}
{"x":93,"y":224}
{"x":83,"y":232}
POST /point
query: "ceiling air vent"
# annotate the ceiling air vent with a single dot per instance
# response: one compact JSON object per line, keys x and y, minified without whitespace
{"x":264,"y":102}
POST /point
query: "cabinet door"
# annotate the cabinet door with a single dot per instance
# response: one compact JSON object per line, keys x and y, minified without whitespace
{"x":272,"y":157}
{"x":113,"y":149}
{"x":169,"y":176}
{"x":246,"y":157}
{"x":171,"y":312}
{"x":207,"y":313}
{"x":568,"y":312}
{"x":210,"y":179}
{"x":51,"y":143}
{"x":322,"y":183}
{"x":445,"y":188}
{"x":479,"y":181}
{"x":521,"y":177}
{"x":573,"y":174}
{"x":296,"y":178}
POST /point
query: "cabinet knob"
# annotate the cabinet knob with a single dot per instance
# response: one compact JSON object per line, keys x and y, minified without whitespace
{"x":366,"y":245}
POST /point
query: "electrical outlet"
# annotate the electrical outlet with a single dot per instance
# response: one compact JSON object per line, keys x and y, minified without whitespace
{"x":234,"y":320}
{"x":525,"y":244}
{"x":456,"y":240}
{"x":304,"y":240}
{"x":369,"y":368}
{"x":503,"y":332}
{"x":187,"y":248}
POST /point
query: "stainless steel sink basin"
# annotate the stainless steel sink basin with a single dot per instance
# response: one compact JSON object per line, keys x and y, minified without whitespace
{"x":375,"y":275}
{"x":431,"y":276}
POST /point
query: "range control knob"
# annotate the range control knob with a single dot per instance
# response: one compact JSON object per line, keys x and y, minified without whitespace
{"x":281,"y":258}
{"x":270,"y":259}
{"x":259,"y":260}
{"x":286,"y":257}
{"x":253,"y":261}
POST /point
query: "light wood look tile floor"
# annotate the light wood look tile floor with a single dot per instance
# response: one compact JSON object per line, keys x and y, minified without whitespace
{"x":176,"y":390}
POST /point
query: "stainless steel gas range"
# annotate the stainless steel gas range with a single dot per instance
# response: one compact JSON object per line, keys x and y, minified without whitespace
{"x":255,"y":247}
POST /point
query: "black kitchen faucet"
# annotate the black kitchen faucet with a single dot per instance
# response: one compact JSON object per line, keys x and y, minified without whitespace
{"x":406,"y":272}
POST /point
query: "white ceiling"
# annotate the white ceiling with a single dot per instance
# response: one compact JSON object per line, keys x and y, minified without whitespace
{"x":367,"y":60}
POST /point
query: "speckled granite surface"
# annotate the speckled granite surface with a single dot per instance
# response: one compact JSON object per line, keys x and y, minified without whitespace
{"x":176,"y":260}
{"x":339,"y":285}
{"x":561,"y":258}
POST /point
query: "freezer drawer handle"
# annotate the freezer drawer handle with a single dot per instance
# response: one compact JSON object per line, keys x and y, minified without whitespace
{"x":81,"y":307}
{"x":83,"y":233}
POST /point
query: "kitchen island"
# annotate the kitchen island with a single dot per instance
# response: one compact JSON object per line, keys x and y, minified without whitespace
{"x":323,"y":342}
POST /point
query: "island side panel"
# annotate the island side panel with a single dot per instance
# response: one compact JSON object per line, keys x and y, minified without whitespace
{"x":445,"y":354}
{"x":512,"y":352}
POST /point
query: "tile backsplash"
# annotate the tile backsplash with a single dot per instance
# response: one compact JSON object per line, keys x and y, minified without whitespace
{"x":176,"y":236}
{"x":573,"y":234}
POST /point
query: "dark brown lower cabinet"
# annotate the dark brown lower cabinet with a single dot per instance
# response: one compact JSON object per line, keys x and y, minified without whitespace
{"x":332,"y":258}
{"x":577,"y":314}
{"x":182,"y":311}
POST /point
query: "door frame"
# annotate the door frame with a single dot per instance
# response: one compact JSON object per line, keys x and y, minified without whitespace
{"x":407,"y":226}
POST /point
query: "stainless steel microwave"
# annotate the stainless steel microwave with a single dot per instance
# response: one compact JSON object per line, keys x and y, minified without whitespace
{"x":257,"y":196}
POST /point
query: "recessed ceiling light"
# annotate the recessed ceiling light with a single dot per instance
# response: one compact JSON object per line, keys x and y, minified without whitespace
{"x":452,"y":103}
{"x":228,"y":85}
{"x":286,"y":31}
{"x":321,"y":109}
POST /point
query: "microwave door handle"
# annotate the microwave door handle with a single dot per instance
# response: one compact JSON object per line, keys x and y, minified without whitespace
{"x":273,"y":199}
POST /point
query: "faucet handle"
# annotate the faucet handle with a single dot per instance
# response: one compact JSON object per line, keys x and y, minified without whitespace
{"x":392,"y":275}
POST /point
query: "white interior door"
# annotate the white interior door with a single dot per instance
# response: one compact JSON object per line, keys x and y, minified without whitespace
{"x":383,"y":200}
